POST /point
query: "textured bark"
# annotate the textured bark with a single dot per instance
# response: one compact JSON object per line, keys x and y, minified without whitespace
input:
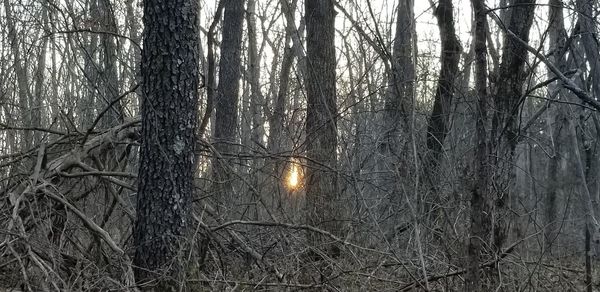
{"x":322,"y":190}
{"x":225,"y":135}
{"x":480,"y":193}
{"x":438,"y":127}
{"x":507,"y":101}
{"x":170,"y":72}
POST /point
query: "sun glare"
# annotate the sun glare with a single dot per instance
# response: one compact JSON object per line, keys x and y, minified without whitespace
{"x":293,"y":176}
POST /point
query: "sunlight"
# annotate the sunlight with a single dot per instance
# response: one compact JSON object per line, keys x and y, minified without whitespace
{"x":293,"y":176}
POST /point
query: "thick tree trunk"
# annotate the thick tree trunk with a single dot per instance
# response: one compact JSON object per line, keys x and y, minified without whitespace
{"x":170,"y":72}
{"x":322,"y":191}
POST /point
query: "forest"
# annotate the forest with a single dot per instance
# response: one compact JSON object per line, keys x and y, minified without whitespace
{"x":299,"y":145}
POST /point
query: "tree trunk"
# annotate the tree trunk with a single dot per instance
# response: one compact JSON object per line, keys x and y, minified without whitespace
{"x":322,"y":191}
{"x":109,"y":79}
{"x":227,"y":97}
{"x":399,"y":93}
{"x":557,"y":39}
{"x":505,"y":126}
{"x":438,"y":127}
{"x":170,"y":72}
{"x":480,"y":193}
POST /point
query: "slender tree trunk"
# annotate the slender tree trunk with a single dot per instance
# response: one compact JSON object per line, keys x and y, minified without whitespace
{"x":479,"y":196}
{"x":557,"y":39}
{"x":109,"y":81}
{"x":277,"y":117}
{"x":171,"y":73}
{"x":256,"y":97}
{"x":399,"y":97}
{"x":438,"y":127}
{"x":399,"y":93}
{"x":38,"y":91}
{"x":226,"y":121}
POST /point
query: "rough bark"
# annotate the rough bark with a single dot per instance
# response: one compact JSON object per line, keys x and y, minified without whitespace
{"x":170,"y":72}
{"x":322,"y":190}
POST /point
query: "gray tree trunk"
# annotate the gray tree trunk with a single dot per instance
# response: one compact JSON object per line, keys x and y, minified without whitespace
{"x":226,"y":120}
{"x":322,"y":190}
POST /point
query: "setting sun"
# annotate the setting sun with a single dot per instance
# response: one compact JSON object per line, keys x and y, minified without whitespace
{"x":293,"y":176}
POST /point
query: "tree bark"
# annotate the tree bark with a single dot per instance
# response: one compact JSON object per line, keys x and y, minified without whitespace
{"x":226,"y":121}
{"x":170,"y":72}
{"x":322,"y":190}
